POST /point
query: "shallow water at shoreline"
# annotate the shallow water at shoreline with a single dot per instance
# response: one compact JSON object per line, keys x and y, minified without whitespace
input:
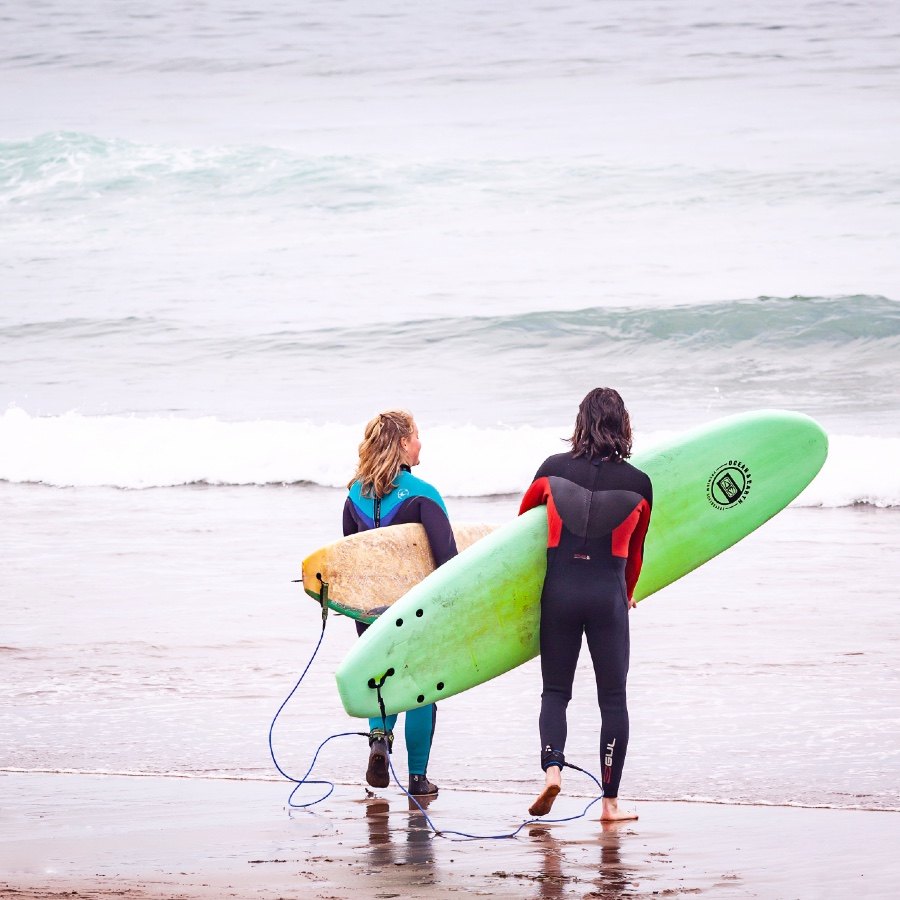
{"x":158,"y":631}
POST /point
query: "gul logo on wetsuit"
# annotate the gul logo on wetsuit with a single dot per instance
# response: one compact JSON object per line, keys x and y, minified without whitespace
{"x":608,"y":761}
{"x":729,"y":484}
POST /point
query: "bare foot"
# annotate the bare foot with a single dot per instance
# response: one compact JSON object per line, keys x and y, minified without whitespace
{"x":612,"y":813}
{"x":545,"y":799}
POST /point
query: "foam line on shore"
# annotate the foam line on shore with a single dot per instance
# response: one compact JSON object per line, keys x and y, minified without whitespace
{"x":525,"y":792}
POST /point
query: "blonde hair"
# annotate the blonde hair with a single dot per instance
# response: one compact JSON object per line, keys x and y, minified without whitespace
{"x":380,"y":452}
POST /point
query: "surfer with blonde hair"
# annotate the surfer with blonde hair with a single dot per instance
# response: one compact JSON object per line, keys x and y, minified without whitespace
{"x":384,"y":492}
{"x":598,"y":511}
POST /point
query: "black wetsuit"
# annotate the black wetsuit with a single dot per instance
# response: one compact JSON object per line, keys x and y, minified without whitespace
{"x":598,"y":513}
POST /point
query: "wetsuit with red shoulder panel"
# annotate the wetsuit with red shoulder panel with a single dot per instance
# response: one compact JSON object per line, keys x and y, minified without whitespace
{"x":598,"y":512}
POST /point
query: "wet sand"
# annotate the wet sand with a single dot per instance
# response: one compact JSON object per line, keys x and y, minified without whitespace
{"x":151,"y":837}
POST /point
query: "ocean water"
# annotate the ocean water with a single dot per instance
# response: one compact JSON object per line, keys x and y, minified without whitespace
{"x":232,"y":233}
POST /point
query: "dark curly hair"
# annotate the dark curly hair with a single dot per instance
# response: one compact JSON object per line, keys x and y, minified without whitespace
{"x":602,"y":427}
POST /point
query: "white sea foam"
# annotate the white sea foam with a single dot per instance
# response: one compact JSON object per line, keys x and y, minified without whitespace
{"x":74,"y":450}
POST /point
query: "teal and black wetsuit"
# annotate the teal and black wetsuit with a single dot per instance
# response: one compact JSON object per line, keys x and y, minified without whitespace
{"x":598,"y":512}
{"x":412,"y":500}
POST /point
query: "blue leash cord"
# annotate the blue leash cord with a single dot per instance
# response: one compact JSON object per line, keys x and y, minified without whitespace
{"x":298,"y":782}
{"x":449,"y":834}
{"x":465,"y":836}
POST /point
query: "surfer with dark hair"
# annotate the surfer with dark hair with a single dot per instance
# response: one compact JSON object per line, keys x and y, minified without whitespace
{"x":384,"y":492}
{"x":598,"y":511}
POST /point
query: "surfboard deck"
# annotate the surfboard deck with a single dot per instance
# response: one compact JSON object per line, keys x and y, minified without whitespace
{"x":367,"y":572}
{"x":478,"y":615}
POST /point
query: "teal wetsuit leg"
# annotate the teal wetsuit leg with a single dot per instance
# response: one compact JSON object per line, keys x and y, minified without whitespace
{"x":419,"y":731}
{"x":388,"y":724}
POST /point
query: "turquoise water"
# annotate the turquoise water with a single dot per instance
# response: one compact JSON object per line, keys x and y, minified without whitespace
{"x":231,"y":234}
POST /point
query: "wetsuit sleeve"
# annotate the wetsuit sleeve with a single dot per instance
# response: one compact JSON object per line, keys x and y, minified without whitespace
{"x":438,"y":530}
{"x":636,"y":544}
{"x":541,"y":494}
{"x":537,"y":495}
{"x":546,"y":469}
{"x":351,"y":526}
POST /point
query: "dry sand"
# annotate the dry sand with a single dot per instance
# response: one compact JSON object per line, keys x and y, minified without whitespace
{"x":81,"y":836}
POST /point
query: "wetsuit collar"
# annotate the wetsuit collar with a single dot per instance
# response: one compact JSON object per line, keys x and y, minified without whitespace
{"x":405,"y":468}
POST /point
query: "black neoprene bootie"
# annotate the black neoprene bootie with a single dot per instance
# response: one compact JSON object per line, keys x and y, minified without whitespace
{"x":377,"y":774}
{"x":420,"y":786}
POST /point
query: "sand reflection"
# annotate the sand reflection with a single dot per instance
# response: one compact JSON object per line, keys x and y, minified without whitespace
{"x":564,"y":866}
{"x":405,"y":840}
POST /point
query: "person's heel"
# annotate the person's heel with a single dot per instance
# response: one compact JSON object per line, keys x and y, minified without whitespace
{"x":377,"y":773}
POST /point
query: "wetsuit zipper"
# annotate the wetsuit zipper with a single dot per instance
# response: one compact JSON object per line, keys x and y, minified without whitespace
{"x":587,"y":525}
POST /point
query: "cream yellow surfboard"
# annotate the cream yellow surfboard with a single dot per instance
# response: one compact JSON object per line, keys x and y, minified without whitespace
{"x":367,"y":572}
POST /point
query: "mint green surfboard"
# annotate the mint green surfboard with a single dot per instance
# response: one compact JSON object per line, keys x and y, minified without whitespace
{"x":478,"y":615}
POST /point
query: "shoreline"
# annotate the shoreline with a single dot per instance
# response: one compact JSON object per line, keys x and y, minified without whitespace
{"x":153,"y":837}
{"x":339,"y":783}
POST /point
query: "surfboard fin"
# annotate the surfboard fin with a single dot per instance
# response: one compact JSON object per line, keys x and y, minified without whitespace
{"x":323,"y":598}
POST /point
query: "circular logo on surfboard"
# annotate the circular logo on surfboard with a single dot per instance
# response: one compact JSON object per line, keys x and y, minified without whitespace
{"x":729,"y":485}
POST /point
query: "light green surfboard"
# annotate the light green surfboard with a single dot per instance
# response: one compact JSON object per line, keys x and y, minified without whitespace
{"x":478,"y":615}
